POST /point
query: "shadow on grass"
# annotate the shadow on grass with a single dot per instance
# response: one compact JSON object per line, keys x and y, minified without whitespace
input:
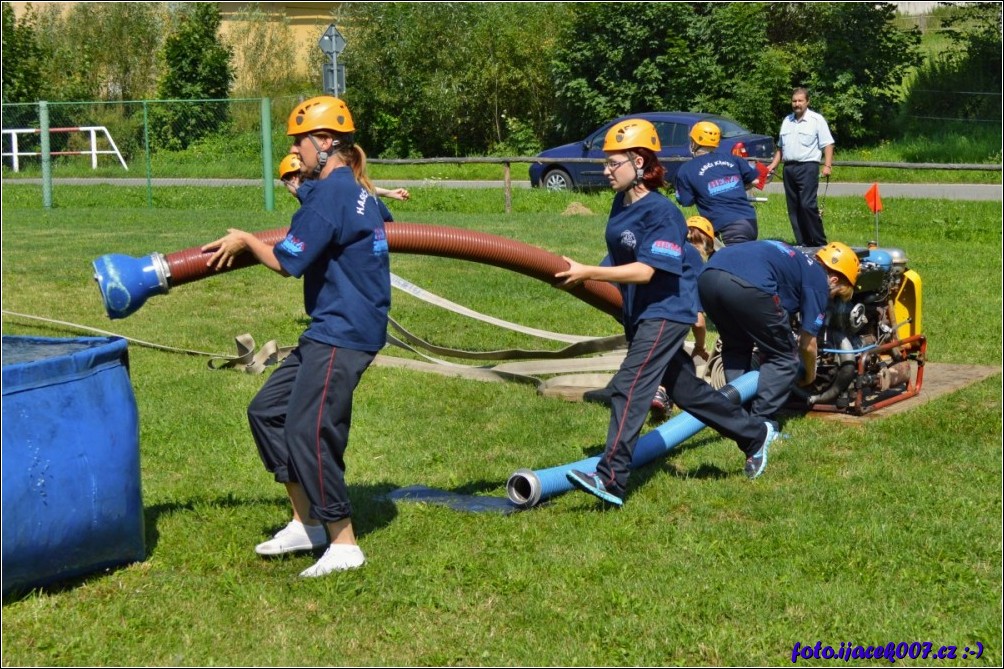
{"x":372,"y":510}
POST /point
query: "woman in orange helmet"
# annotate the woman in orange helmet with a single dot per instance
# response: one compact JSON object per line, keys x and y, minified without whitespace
{"x":656,"y":271}
{"x":300,"y":418}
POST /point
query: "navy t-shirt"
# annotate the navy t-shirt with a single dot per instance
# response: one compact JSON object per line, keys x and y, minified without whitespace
{"x":338,"y":244}
{"x":716,"y":183}
{"x":652,"y":231}
{"x":774,"y":267}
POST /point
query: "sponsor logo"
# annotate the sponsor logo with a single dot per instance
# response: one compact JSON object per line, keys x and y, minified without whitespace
{"x":723,"y":185}
{"x":664,"y":248}
{"x":782,"y":247}
{"x":380,"y":247}
{"x":292,"y":245}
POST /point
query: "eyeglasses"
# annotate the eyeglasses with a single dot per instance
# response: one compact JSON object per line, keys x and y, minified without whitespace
{"x":613,"y":165}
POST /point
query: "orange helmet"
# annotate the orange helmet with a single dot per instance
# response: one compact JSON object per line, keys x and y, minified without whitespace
{"x":702,"y":224}
{"x":632,"y":133}
{"x":842,"y":259}
{"x":321,"y":113}
{"x":289,"y":166}
{"x":706,"y":133}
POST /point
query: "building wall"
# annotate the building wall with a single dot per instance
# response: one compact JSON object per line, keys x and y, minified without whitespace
{"x":307,"y":21}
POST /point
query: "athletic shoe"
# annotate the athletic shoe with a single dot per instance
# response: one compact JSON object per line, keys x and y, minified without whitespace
{"x":338,"y":557}
{"x":592,"y":484}
{"x":661,"y":404}
{"x":756,"y":463}
{"x":293,"y":538}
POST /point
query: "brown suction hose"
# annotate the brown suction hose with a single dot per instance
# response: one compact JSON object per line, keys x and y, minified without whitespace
{"x":190,"y":264}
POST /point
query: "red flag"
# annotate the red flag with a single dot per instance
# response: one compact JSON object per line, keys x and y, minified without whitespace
{"x":762,"y":176}
{"x":873,"y":199}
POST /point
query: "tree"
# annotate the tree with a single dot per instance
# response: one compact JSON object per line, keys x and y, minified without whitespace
{"x":448,"y":78}
{"x":197,"y":67}
{"x":22,"y":57}
{"x":964,"y":82}
{"x":618,"y":58}
{"x":99,"y":51}
{"x":851,"y":57}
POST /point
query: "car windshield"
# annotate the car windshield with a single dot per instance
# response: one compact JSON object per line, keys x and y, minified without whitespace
{"x":729,"y":128}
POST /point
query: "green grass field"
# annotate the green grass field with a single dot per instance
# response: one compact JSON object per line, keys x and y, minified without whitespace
{"x":884,"y":532}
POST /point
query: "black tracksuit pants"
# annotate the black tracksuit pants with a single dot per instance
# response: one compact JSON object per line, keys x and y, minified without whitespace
{"x":656,"y":356}
{"x":300,"y":421}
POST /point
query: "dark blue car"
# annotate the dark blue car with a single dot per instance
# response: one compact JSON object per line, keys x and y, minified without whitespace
{"x":674,"y":134}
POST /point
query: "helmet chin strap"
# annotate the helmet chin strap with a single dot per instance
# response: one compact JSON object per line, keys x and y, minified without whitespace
{"x":639,"y":173}
{"x":322,"y":156}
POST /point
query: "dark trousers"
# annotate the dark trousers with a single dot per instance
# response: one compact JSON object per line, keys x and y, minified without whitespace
{"x":656,"y":355}
{"x":801,"y":183}
{"x":746,"y":316}
{"x":300,"y":422}
{"x":737,"y":232}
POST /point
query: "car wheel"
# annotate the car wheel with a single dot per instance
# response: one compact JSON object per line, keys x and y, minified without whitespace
{"x":557,"y":179}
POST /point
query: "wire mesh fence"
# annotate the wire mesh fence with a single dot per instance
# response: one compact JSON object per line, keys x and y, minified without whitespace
{"x":181,"y":139}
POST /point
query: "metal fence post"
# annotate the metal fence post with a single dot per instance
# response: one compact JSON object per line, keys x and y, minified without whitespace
{"x":146,"y":148}
{"x":266,"y":153}
{"x":43,"y":127}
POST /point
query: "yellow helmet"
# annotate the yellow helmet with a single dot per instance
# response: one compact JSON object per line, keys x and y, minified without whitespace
{"x":706,"y":133}
{"x":702,"y":224}
{"x":290,"y":165}
{"x":633,"y":133}
{"x":842,"y":259}
{"x":321,"y":113}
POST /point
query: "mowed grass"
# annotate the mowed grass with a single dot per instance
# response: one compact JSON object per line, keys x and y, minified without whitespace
{"x":887,"y":531}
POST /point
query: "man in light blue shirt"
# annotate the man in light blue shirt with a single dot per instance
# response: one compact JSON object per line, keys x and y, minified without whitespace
{"x":805,"y":140}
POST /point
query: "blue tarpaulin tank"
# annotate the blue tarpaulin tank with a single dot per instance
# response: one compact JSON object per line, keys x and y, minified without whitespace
{"x":72,"y":502}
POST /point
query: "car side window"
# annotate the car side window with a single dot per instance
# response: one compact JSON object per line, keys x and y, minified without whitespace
{"x":595,"y":141}
{"x":672,"y":134}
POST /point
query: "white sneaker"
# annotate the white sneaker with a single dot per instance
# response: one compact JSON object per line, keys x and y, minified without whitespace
{"x":294,"y":537}
{"x":338,"y":557}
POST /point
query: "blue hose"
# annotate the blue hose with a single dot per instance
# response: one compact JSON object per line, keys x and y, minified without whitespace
{"x":527,"y":488}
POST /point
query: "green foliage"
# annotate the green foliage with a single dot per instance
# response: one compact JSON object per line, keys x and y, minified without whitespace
{"x":22,"y":56}
{"x":197,"y":68}
{"x":737,"y":59}
{"x":520,"y":140}
{"x":862,"y":60}
{"x":262,"y":45}
{"x":618,"y":58}
{"x":744,"y":74}
{"x":100,"y":51}
{"x":963,"y":82}
{"x":439,"y":79}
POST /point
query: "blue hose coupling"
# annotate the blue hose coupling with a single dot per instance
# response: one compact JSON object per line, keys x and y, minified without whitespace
{"x":126,"y":283}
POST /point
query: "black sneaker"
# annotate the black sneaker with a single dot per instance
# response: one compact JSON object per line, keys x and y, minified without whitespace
{"x":592,"y":484}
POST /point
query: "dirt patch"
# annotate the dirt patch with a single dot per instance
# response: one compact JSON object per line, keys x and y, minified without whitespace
{"x":577,"y":209}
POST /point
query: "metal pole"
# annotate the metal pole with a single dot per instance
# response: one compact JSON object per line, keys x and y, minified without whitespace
{"x":146,"y":145}
{"x":266,"y":153}
{"x":43,"y":128}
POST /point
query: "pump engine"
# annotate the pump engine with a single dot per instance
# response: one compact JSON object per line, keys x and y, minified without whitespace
{"x":871,"y":351}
